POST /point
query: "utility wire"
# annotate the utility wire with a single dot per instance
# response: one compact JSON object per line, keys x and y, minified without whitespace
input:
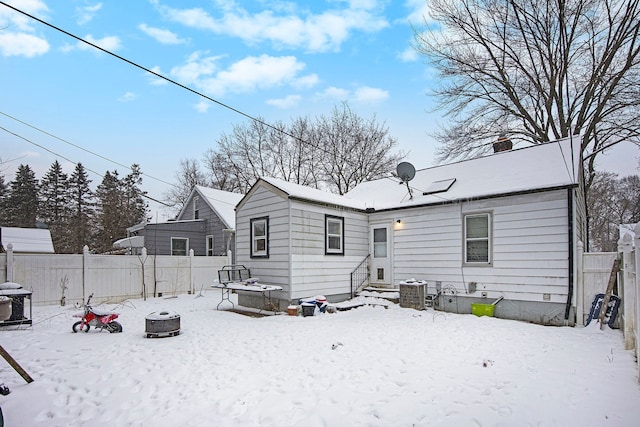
{"x":81,"y":148}
{"x":235,"y":110}
{"x":71,"y":161}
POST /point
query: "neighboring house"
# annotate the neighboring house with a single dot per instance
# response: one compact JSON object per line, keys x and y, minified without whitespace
{"x":205,"y":224}
{"x":26,"y":240}
{"x":505,"y":225}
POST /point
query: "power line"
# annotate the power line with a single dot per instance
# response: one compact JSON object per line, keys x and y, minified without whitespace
{"x":71,"y":161}
{"x":235,"y":110}
{"x":81,"y":148}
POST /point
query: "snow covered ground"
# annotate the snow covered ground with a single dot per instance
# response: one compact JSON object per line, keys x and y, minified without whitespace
{"x":369,"y":366}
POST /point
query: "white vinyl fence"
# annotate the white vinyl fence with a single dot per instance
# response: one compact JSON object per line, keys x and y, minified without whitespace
{"x":113,"y":278}
{"x":594,"y":270}
{"x":629,"y":282}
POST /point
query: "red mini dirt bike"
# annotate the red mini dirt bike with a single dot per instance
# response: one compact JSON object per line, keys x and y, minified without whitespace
{"x":97,"y":319}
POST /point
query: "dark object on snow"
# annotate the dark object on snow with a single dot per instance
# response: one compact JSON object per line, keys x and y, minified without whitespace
{"x":4,"y":390}
{"x":611,"y":312}
{"x":11,"y":361}
{"x":308,"y":308}
{"x":162,"y":324}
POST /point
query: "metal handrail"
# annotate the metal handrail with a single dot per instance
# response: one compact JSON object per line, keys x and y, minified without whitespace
{"x":359,"y":275}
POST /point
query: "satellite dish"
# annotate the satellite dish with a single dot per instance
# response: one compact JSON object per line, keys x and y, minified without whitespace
{"x":406,"y":171}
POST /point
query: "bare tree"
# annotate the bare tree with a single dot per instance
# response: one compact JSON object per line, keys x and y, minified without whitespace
{"x":188,"y":175}
{"x":535,"y":70}
{"x":612,"y":201}
{"x":335,"y":152}
{"x":218,"y":168}
{"x":296,"y":158}
{"x":356,"y":150}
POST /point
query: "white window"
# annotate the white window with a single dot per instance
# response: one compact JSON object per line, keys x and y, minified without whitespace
{"x":209,"y":245}
{"x":477,"y":238}
{"x":334,"y":235}
{"x":179,"y":246}
{"x":380,"y":242}
{"x":196,"y":210}
{"x":260,"y":237}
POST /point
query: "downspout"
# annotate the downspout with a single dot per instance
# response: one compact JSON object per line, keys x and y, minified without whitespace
{"x":570,"y":220}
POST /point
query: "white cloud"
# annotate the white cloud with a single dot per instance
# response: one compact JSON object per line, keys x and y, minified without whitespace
{"x":22,"y":44}
{"x":155,"y":80}
{"x":202,"y":106}
{"x":305,"y":82}
{"x":12,"y":19}
{"x":161,"y":35}
{"x":252,"y":73}
{"x":128,"y":97}
{"x":17,"y":36}
{"x":245,"y":75}
{"x":110,"y":43}
{"x":196,"y":67}
{"x":418,"y":12}
{"x":321,"y":32}
{"x":361,"y":95}
{"x":408,"y":55}
{"x":87,"y":13}
{"x":370,"y":95}
{"x":287,"y":102}
{"x":335,"y":93}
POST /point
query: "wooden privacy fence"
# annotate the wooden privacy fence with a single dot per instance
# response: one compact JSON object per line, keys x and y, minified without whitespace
{"x":63,"y":279}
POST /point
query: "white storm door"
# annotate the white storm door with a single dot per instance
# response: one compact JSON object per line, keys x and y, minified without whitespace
{"x":380,"y":254}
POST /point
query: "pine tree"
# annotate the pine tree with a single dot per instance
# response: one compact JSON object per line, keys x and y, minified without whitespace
{"x":120,"y":204}
{"x":110,"y":207}
{"x":4,"y":191}
{"x":22,"y":201}
{"x":82,"y":209}
{"x":135,"y":207}
{"x":54,"y":206}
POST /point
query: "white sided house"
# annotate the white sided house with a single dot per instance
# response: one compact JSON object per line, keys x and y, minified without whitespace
{"x":505,"y":225}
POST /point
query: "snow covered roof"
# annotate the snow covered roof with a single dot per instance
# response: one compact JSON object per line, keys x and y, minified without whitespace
{"x":538,"y":167}
{"x":313,"y":195}
{"x":27,"y":240}
{"x":223,"y":203}
{"x":129,"y":242}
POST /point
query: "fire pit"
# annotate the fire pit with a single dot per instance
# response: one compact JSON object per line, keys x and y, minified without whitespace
{"x":162,"y":324}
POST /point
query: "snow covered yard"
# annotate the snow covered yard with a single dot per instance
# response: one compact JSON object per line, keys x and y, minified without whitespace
{"x":365,"y":367}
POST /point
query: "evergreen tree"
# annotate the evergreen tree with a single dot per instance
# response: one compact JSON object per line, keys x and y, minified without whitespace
{"x":82,"y":209}
{"x":135,"y":207}
{"x":4,"y":191}
{"x":54,"y":206}
{"x":120,"y":205}
{"x":22,"y":201}
{"x":108,"y":213}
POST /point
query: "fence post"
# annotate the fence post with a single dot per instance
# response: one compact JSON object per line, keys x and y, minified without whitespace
{"x":85,"y":270}
{"x":10,"y":262}
{"x":191,"y":285}
{"x":143,"y":260}
{"x":580,"y":283}
{"x":628,"y":292}
{"x":636,"y":231}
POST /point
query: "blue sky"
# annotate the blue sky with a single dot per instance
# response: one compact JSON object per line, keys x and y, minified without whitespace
{"x":274,"y":59}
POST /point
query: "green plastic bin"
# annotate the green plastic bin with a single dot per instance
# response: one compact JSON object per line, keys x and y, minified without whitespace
{"x":483,"y":309}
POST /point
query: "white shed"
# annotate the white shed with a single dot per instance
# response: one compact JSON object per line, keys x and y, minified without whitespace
{"x":26,"y":240}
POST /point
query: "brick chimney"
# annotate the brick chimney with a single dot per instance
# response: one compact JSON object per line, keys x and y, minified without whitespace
{"x":502,"y":144}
